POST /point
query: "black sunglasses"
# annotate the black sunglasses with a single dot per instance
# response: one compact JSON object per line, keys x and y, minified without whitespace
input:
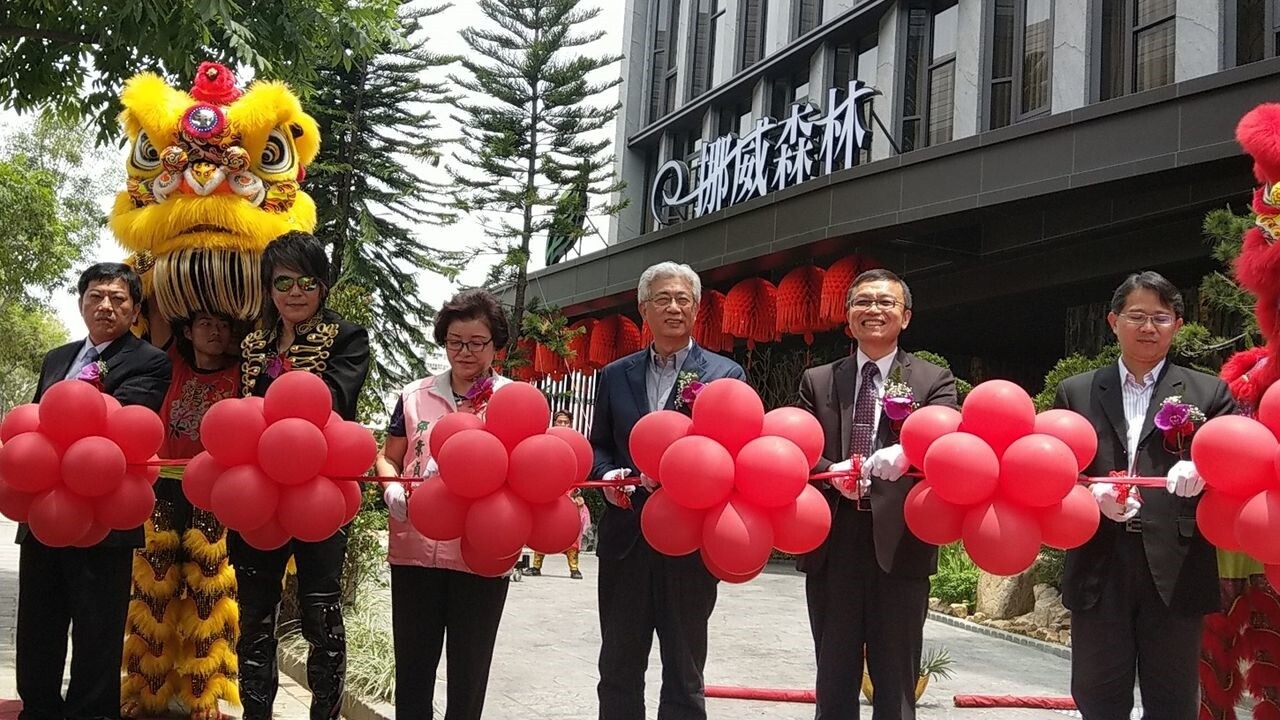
{"x":284,"y":283}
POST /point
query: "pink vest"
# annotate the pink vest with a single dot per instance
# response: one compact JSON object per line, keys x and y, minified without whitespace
{"x":425,"y":401}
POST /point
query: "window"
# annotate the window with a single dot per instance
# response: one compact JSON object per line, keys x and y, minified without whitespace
{"x":751,"y":49}
{"x":928,"y":99}
{"x":786,"y":90}
{"x":1136,"y":43}
{"x":805,"y":16}
{"x":708,"y":27}
{"x":858,"y":61}
{"x":1021,"y":55}
{"x":662,"y":92}
{"x":1257,"y":30}
{"x":735,"y":119}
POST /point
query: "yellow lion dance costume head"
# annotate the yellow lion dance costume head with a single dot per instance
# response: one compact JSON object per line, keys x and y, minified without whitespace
{"x":213,"y":178}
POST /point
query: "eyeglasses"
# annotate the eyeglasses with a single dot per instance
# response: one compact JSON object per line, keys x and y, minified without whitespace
{"x":475,"y":346}
{"x":1141,"y":318}
{"x":307,"y":283}
{"x":681,"y":301}
{"x":883,"y":303}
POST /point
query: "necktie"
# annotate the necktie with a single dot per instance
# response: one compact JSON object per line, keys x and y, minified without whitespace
{"x":88,"y":359}
{"x":864,"y":411}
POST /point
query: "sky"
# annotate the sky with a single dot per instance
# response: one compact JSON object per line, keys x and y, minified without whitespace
{"x":443,"y":38}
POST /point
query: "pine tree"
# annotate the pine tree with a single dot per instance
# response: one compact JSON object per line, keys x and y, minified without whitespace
{"x":1224,"y":231}
{"x":372,"y":196}
{"x":532,"y":128}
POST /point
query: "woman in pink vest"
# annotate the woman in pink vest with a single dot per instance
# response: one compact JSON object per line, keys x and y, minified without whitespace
{"x":433,"y":592}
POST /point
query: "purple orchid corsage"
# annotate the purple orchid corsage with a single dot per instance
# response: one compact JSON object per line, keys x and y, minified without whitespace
{"x":899,"y":401}
{"x":276,"y":365}
{"x":1177,"y":420}
{"x":687,"y":388}
{"x":93,"y":373}
{"x":479,"y":393}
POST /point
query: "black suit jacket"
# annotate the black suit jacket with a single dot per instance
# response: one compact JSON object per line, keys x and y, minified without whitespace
{"x":1183,"y":564}
{"x":327,"y":345}
{"x":137,"y":374}
{"x":827,"y":391}
{"x":621,"y":400}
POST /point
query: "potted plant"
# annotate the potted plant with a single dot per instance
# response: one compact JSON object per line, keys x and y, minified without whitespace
{"x":934,"y":663}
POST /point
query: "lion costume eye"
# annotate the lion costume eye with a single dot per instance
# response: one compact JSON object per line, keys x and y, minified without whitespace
{"x":145,"y":155}
{"x":277,"y":156}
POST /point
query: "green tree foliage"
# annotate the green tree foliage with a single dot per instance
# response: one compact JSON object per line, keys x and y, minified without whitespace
{"x":1224,"y":231}
{"x":73,"y":57}
{"x":962,"y":386}
{"x":26,"y":334}
{"x":531,"y":128}
{"x":957,"y":578}
{"x":1073,"y":364}
{"x":355,"y":304}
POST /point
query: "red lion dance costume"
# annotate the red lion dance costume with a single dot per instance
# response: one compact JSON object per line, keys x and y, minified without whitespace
{"x":1242,"y":644}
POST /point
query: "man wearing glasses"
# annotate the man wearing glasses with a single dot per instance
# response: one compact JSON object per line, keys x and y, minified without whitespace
{"x":867,"y":585}
{"x":1140,"y":588}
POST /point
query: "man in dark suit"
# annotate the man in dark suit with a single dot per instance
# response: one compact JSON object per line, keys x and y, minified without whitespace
{"x":867,"y":585}
{"x":1140,"y":588}
{"x":86,"y":588}
{"x":640,"y":590}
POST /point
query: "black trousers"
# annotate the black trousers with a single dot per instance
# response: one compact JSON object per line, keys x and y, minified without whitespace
{"x":643,"y":593}
{"x":87,"y":589}
{"x":430,"y":606}
{"x":1130,"y":633}
{"x":259,"y":576}
{"x":854,"y":604}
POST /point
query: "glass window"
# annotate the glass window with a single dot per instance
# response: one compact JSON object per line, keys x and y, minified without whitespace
{"x":662,"y":97}
{"x":1037,"y":55}
{"x":1136,"y":46}
{"x":1021,"y":59}
{"x":913,"y":77}
{"x":1251,"y":30}
{"x":753,"y":14}
{"x":942,"y":75}
{"x":805,"y":16}
{"x":708,"y":27}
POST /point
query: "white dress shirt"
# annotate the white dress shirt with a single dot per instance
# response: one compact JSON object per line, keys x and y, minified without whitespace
{"x":1137,"y":399}
{"x":79,"y":363}
{"x":885,"y":364}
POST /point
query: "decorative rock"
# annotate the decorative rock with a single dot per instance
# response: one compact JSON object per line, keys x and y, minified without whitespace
{"x":1003,"y":598}
{"x":960,"y":610}
{"x":937,"y":605}
{"x":1064,"y":637}
{"x":1000,"y":624}
{"x":979,"y":617}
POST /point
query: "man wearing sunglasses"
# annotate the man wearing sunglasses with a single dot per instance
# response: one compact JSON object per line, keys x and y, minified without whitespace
{"x":1138,"y":591}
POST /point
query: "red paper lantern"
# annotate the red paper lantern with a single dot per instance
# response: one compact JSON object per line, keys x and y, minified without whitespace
{"x":751,"y":311}
{"x":612,"y":338}
{"x":580,"y":345}
{"x":834,"y":306}
{"x":708,"y":326}
{"x":548,"y":362}
{"x":800,"y":303}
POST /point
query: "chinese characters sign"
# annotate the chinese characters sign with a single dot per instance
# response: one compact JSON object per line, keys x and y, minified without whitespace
{"x":774,"y":155}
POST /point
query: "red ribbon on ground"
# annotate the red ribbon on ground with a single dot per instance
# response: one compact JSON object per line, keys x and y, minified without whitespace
{"x":1014,"y":701}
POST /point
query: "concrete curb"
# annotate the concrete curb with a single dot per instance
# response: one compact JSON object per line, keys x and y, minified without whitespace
{"x":353,"y":707}
{"x":1059,"y":650}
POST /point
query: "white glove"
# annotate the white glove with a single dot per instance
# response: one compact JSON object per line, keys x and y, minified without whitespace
{"x":1184,"y":480}
{"x":648,"y":483}
{"x":615,"y":495}
{"x":432,"y":468}
{"x":846,"y":488}
{"x":397,"y":501}
{"x":1109,"y":502}
{"x":888,"y":463}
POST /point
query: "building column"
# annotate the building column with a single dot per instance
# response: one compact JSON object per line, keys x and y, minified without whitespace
{"x":1069,"y":74}
{"x":1198,"y":31}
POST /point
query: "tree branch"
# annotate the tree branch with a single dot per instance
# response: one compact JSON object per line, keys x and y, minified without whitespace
{"x":61,"y":36}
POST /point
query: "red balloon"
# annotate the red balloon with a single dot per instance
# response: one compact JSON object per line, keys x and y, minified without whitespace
{"x":770,"y":471}
{"x":1037,"y":471}
{"x":312,"y":511}
{"x":447,"y":426}
{"x":298,"y":394}
{"x":1268,"y":409}
{"x":730,"y":412}
{"x":352,"y":450}
{"x":436,"y":512}
{"x":669,"y":527}
{"x":14,"y":504}
{"x":94,"y":535}
{"x":516,"y":411}
{"x":266,"y":537}
{"x":923,"y":427}
{"x":1073,"y":429}
{"x":801,"y":525}
{"x":473,"y":463}
{"x":697,"y":471}
{"x":999,"y":412}
{"x":1235,"y":454}
{"x":1273,"y":572}
{"x":1072,"y":522}
{"x":334,"y":418}
{"x":722,"y":574}
{"x":30,"y":463}
{"x":487,"y":565}
{"x":541,"y":468}
{"x":556,"y":526}
{"x":581,"y":450}
{"x":150,"y":473}
{"x":798,"y":426}
{"x":59,"y":517}
{"x":1258,"y":526}
{"x":930,"y":518}
{"x":1216,"y":516}
{"x":199,"y":477}
{"x":128,"y":506}
{"x":737,"y":535}
{"x":111,"y":403}
{"x":352,"y":496}
{"x":962,"y":468}
{"x":70,"y":410}
{"x":93,"y":466}
{"x":292,"y":451}
{"x":498,"y":525}
{"x":259,"y":404}
{"x":138,"y":431}
{"x":231,"y":429}
{"x":652,"y":435}
{"x":244,"y":497}
{"x":21,"y":419}
{"x":1001,"y":537}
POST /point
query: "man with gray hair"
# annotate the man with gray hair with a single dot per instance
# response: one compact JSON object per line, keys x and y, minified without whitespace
{"x":641,"y":591}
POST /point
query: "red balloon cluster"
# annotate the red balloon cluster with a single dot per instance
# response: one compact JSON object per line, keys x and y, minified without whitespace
{"x":73,"y":467}
{"x":269,"y":466}
{"x":735,"y":480}
{"x":504,"y":481}
{"x":1239,"y":459}
{"x":1000,"y":477}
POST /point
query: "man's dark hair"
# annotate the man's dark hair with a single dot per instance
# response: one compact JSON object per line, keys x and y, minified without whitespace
{"x":298,"y":251}
{"x":187,"y":349}
{"x":562,"y":413}
{"x":1148,"y":280}
{"x":474,"y":304}
{"x":108,"y":271}
{"x":875,"y":275}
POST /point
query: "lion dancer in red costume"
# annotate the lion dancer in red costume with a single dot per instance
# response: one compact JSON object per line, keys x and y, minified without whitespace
{"x":1242,"y":643}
